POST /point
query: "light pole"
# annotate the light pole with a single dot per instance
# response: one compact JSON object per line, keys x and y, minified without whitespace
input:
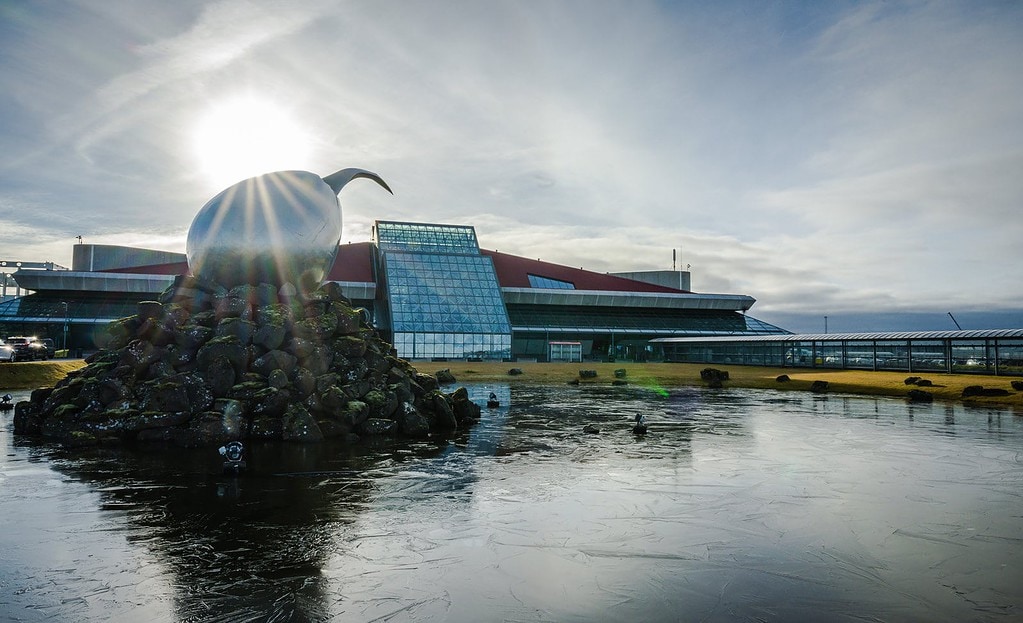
{"x":66,"y":321}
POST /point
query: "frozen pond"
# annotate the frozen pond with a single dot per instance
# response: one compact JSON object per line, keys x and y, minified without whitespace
{"x":738,"y":505}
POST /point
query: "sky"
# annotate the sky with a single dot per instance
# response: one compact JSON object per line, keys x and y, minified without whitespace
{"x":860,"y":161}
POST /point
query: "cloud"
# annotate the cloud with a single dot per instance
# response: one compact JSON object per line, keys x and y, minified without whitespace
{"x":830,"y":156}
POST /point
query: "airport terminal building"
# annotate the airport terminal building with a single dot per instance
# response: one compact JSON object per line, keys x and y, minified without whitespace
{"x":430,"y":290}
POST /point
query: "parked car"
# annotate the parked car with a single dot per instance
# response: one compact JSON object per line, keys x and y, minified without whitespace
{"x":51,"y":348}
{"x":7,"y":353}
{"x":27,"y":348}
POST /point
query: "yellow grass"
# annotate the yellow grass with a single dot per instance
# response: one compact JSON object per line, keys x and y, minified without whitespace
{"x":33,"y":374}
{"x":947,"y":387}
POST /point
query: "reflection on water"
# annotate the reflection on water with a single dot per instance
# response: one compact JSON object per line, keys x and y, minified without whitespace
{"x":738,"y":504}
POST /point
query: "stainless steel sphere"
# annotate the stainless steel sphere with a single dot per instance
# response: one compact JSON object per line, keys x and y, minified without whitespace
{"x":277,"y":228}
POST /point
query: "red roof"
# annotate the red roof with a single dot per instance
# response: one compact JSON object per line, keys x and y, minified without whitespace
{"x":513,"y":272}
{"x":174,"y":268}
{"x":355,"y":263}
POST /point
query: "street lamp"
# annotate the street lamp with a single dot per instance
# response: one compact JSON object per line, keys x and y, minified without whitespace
{"x":66,"y":321}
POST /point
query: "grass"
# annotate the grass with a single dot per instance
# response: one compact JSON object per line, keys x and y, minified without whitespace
{"x":657,"y":376}
{"x":946,"y":387}
{"x":33,"y":374}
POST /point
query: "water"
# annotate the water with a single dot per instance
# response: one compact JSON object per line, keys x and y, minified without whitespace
{"x":738,"y":505}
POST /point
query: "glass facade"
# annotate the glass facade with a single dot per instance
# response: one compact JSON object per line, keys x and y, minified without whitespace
{"x":655,"y":321}
{"x":443,"y":296}
{"x":425,"y":238}
{"x":998,"y":352}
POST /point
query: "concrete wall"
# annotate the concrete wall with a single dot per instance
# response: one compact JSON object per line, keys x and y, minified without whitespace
{"x":668,"y":278}
{"x":93,"y":257}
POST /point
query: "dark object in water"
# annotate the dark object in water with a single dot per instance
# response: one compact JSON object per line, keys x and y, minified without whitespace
{"x":233,"y":453}
{"x":5,"y":402}
{"x":492,"y":401}
{"x":640,"y":427}
{"x":590,"y":429}
{"x":919,"y":395}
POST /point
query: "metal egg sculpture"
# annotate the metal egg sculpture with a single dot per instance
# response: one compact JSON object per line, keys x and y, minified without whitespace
{"x":277,"y":228}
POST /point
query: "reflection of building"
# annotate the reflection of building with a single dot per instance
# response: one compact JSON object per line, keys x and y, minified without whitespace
{"x":431,"y":291}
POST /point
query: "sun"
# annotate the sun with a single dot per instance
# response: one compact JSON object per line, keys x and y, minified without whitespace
{"x":247,"y":136}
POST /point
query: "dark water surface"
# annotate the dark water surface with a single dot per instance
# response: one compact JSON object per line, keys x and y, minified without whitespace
{"x":738,"y":505}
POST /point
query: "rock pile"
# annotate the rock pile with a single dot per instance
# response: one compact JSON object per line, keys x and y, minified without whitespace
{"x":205,"y":365}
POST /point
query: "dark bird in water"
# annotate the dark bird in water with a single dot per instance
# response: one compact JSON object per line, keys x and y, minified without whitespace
{"x":640,"y":427}
{"x":492,"y":401}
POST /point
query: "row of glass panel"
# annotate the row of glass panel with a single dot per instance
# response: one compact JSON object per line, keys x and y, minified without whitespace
{"x":609,"y":318}
{"x":452,"y":345}
{"x":977,"y":356}
{"x":423,"y":238}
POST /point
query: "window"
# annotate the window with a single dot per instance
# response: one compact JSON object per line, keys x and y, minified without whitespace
{"x":536,"y":281}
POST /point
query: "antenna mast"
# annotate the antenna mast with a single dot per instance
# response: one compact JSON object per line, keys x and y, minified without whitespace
{"x":954,"y":320}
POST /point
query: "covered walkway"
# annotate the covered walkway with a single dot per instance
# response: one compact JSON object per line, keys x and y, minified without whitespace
{"x":995,"y":351}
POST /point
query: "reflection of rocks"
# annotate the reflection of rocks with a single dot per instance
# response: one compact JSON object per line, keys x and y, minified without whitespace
{"x":919,"y":395}
{"x":205,"y":365}
{"x":229,"y":548}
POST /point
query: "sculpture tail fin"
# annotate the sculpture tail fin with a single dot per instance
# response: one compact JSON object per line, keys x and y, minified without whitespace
{"x":337,"y":181}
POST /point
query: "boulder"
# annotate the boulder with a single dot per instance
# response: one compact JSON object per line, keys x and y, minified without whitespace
{"x":298,"y":425}
{"x":972,"y":390}
{"x":378,"y":426}
{"x":274,"y":360}
{"x":713,"y":374}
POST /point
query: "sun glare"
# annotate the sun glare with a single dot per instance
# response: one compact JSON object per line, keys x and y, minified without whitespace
{"x":246,"y":136}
